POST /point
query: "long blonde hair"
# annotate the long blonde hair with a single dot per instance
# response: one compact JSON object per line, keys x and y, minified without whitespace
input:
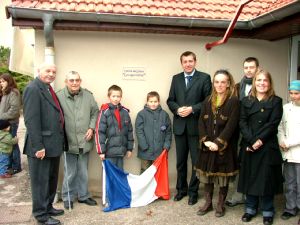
{"x":270,"y":93}
{"x":230,"y":91}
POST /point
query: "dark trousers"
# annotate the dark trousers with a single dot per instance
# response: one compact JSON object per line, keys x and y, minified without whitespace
{"x":15,"y":157}
{"x":44,"y":176}
{"x":266,"y":205}
{"x":186,"y":144}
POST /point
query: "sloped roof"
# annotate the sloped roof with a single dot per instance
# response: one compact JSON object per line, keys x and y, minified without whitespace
{"x":261,"y":19}
{"x":201,"y":9}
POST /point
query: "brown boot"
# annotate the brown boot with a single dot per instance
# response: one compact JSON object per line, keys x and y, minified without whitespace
{"x":208,"y":194}
{"x":220,"y":209}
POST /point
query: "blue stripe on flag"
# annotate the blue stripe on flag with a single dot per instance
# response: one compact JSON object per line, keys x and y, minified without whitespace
{"x":117,"y":188}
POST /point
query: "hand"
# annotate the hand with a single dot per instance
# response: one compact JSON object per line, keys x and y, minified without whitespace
{"x":249,"y":149}
{"x":128,"y":154}
{"x":185,"y":111}
{"x":102,"y":156}
{"x":211,"y":146}
{"x":89,"y":134}
{"x":207,"y":143}
{"x":257,"y":144}
{"x":40,"y":154}
{"x":283,"y":147}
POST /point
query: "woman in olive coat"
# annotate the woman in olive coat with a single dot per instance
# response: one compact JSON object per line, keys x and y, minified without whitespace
{"x":217,"y":159}
{"x":260,"y":173}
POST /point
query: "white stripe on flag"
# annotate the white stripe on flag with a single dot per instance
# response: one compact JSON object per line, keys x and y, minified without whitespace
{"x":143,"y":187}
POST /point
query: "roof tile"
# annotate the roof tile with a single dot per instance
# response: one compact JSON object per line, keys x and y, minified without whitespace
{"x":209,"y":9}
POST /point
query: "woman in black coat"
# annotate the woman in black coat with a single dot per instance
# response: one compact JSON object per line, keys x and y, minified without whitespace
{"x":260,"y":173}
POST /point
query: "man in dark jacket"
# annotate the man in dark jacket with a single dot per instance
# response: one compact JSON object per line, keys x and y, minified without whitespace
{"x":243,"y":89}
{"x":44,"y":143}
{"x":188,"y":89}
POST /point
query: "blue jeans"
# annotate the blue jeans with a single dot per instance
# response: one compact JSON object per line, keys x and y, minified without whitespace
{"x":267,"y":206}
{"x":15,"y":157}
{"x":4,"y":161}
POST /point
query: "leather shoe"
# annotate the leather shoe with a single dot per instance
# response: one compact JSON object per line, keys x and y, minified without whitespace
{"x":179,"y":196}
{"x":6,"y":175}
{"x":56,"y":212}
{"x":268,"y":220}
{"x":286,"y":215}
{"x":247,"y":217}
{"x":192,"y":200}
{"x":50,"y":221}
{"x":233,"y":203}
{"x":66,"y":204}
{"x":88,"y":201}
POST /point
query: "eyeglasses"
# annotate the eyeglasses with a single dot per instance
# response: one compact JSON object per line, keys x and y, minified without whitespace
{"x":74,"y":80}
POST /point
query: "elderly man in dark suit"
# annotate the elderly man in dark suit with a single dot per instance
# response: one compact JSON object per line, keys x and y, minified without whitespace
{"x":44,"y":143}
{"x":188,"y":89}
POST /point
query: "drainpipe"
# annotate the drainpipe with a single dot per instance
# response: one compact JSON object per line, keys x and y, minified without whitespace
{"x":48,"y":20}
{"x":229,"y":30}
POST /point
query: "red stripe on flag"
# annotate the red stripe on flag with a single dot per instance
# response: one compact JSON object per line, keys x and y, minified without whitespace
{"x":162,"y":176}
{"x":98,"y":146}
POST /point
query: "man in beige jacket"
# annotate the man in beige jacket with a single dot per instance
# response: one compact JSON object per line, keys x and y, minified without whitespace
{"x":81,"y":111}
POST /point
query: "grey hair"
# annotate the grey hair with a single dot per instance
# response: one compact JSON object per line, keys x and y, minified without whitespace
{"x":72,"y":72}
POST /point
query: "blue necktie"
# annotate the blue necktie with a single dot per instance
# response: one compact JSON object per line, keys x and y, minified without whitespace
{"x":188,"y":79}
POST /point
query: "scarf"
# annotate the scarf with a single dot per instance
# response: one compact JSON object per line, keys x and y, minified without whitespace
{"x":243,"y":84}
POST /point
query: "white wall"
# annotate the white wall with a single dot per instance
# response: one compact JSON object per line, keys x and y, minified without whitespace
{"x":6,"y":30}
{"x":100,"y":58}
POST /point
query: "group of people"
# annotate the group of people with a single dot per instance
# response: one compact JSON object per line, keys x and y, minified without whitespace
{"x":228,"y":129}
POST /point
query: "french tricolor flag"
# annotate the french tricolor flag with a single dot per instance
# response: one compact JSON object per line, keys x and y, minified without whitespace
{"x":125,"y":190}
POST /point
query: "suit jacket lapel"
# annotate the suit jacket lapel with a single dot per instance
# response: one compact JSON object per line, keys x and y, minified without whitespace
{"x":182,"y":81}
{"x":46,"y":93}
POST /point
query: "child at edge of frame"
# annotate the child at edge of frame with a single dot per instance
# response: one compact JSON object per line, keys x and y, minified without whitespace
{"x":6,"y":146}
{"x":289,"y":142}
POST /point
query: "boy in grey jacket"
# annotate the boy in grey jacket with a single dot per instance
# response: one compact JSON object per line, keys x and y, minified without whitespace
{"x":153,"y":131}
{"x":114,"y":133}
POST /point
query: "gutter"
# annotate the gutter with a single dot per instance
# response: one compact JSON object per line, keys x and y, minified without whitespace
{"x":31,"y":13}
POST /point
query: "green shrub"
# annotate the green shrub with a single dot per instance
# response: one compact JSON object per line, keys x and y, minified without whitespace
{"x":21,"y":79}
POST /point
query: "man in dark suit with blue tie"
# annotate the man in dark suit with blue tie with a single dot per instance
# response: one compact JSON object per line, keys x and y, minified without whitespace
{"x":188,"y":89}
{"x":44,"y":143}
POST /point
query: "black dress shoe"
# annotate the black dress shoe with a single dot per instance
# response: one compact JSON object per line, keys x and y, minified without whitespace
{"x":67,"y":206}
{"x":88,"y":201}
{"x":268,"y":220}
{"x":286,"y":215}
{"x":179,"y":196}
{"x":50,"y":221}
{"x":247,"y":217}
{"x":56,"y":212}
{"x":193,"y":200}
